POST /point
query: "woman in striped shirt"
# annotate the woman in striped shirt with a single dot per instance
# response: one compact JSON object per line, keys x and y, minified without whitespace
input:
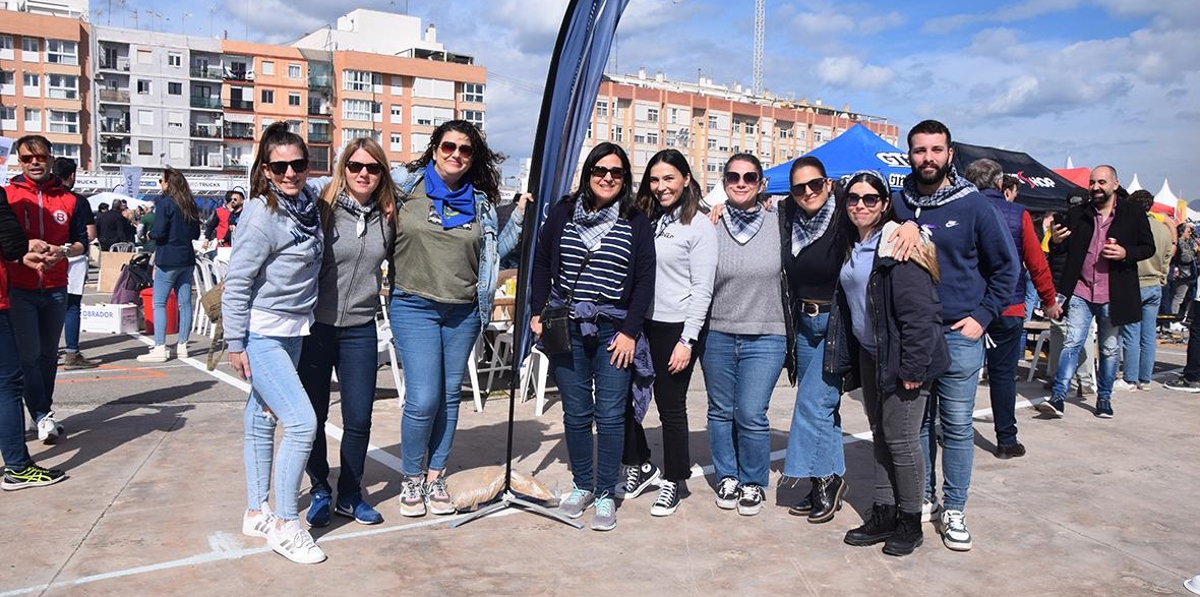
{"x":596,"y":255}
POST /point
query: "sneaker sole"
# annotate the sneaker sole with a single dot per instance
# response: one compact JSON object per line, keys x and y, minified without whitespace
{"x":602,"y":527}
{"x":1104,"y":415}
{"x":440,"y":512}
{"x":1184,"y":390}
{"x":411,"y":511}
{"x":6,"y":486}
{"x":640,"y":489}
{"x":956,"y":545}
{"x":749,"y":511}
{"x":726,"y":504}
{"x":1047,"y":409}
{"x":663,"y":511}
{"x":297,"y":559}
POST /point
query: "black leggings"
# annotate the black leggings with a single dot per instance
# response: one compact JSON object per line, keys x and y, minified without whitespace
{"x":670,"y":395}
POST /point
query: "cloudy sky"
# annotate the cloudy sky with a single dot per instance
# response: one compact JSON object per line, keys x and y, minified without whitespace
{"x":1100,"y":81}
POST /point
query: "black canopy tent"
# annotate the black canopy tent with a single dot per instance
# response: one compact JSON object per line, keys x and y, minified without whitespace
{"x":1041,"y":188}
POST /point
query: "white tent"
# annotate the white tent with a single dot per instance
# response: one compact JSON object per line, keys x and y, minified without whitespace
{"x":109,"y":196}
{"x":1135,"y":185}
{"x":1070,"y":163}
{"x":1165,"y":196}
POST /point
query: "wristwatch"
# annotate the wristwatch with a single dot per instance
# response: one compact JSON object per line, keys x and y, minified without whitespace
{"x":687,"y":342}
{"x":66,"y":249}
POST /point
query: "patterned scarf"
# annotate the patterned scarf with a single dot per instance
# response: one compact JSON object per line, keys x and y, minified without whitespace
{"x":302,"y":208}
{"x":455,"y":208}
{"x":592,"y":226}
{"x":958,"y":188}
{"x":359,"y":211}
{"x":743,"y":224}
{"x":806,"y":230}
{"x":664,"y":220}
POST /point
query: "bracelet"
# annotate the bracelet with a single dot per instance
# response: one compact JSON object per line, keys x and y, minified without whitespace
{"x":686,"y":342}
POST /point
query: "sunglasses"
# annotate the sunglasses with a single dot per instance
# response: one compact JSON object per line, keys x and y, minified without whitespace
{"x":448,"y":148}
{"x":813,"y":186}
{"x":29,"y":157}
{"x":617,"y":173}
{"x":868,"y":200}
{"x":373,"y":169}
{"x":281,"y":168}
{"x":748,"y":177}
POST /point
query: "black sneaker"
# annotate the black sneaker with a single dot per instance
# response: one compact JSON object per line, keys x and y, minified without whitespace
{"x":1183,"y":384}
{"x":668,"y":499}
{"x":640,"y":478}
{"x":1052,"y":407}
{"x":727,"y":493}
{"x":1104,"y":408}
{"x":30,"y":476}
{"x":750,"y":502}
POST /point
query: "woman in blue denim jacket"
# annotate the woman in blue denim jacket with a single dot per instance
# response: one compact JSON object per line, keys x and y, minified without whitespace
{"x":444,"y":269}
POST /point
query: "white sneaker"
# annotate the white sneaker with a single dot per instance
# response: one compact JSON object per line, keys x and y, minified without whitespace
{"x":181,"y":351}
{"x":929,"y":509}
{"x":954,"y":530}
{"x":48,"y":429}
{"x":1124,"y":386}
{"x":260,"y":524}
{"x":294,"y":543}
{"x":158,"y":354}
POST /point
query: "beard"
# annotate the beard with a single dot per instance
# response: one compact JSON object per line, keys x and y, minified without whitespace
{"x":933,"y":180}
{"x":1101,"y":197}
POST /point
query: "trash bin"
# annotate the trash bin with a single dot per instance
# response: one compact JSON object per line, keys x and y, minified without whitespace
{"x":148,"y":311}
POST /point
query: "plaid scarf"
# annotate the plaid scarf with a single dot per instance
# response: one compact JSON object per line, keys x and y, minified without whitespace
{"x":592,"y":226}
{"x":663,"y":221}
{"x":302,"y":208}
{"x":958,"y":188}
{"x":362,"y":212}
{"x":806,"y":230}
{"x":743,"y":224}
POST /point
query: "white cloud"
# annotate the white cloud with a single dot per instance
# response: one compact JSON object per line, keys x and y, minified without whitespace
{"x":850,"y":72}
{"x":1024,"y":11}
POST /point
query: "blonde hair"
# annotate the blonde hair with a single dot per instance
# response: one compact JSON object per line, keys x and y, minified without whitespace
{"x":384,"y":193}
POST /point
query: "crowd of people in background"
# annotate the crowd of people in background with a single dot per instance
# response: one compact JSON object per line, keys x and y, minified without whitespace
{"x":845,"y":284}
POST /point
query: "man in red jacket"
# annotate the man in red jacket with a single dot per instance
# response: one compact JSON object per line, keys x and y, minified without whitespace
{"x":46,"y":210}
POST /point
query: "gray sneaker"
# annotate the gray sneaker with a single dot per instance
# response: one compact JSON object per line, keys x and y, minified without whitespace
{"x":605,"y":518}
{"x":437,"y":497}
{"x":576,"y":502}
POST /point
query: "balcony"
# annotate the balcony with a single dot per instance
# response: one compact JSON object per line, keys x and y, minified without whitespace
{"x":211,"y":73}
{"x":238,"y":130}
{"x":206,"y":131}
{"x":114,"y":96}
{"x":243,"y":105}
{"x":114,"y":126}
{"x":211,"y":160}
{"x":237,"y":163}
{"x":114,"y":157}
{"x":320,"y":82}
{"x":238,"y":75}
{"x":318,"y":137}
{"x":120,"y":64}
{"x":206,"y":103}
{"x":321,"y":109}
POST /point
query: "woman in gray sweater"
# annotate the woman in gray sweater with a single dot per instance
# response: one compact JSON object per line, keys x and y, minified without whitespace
{"x":356,"y":217}
{"x":267,"y":307}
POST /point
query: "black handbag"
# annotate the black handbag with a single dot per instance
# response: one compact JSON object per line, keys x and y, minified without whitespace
{"x":556,"y":321}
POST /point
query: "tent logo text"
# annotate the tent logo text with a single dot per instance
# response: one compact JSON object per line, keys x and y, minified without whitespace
{"x":894,"y":159}
{"x":1034,"y":182}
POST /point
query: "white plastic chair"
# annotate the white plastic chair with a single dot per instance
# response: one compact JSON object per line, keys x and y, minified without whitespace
{"x":1042,"y":338}
{"x":387,"y":349}
{"x":535,"y":369}
{"x":122,"y":248}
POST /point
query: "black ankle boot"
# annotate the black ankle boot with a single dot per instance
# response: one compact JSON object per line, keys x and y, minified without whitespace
{"x":804,"y":506}
{"x":908,"y":535}
{"x":827,"y":498}
{"x":879,"y":526}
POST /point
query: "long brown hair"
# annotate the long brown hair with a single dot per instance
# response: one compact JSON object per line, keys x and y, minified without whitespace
{"x":276,"y":135}
{"x":484,"y":172}
{"x":689,"y":200}
{"x":384,"y":193}
{"x":181,"y":193}
{"x":925,"y":254}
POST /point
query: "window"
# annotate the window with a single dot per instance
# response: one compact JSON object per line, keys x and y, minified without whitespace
{"x":652,"y":114}
{"x":174,"y":88}
{"x":8,"y":118}
{"x":397,"y":85}
{"x":618,"y":134}
{"x":785,"y":132}
{"x":652,"y":138}
{"x":751,"y":128}
{"x":430,"y":116}
{"x":673,"y":116}
{"x":6,"y":47}
{"x":63,"y":122}
{"x":175,"y":60}
{"x":145,"y":147}
{"x":175,"y":121}
{"x":349,"y":135}
{"x":143,"y":86}
{"x":294,"y":99}
{"x":800,"y":134}
{"x":712,"y":143}
{"x":712,"y":121}
{"x":62,"y":86}
{"x":397,"y":115}
{"x":318,"y":159}
{"x":145,"y":56}
{"x":268,"y":67}
{"x":474,"y":117}
{"x":357,"y":109}
{"x":818,"y":135}
{"x":361,"y":80}
{"x":268,"y":96}
{"x":33,"y":85}
{"x":62,"y":52}
{"x":146,"y":117}
{"x":397,"y":142}
{"x":433,"y":88}
{"x":30,"y":48}
{"x":602,"y":109}
{"x":33,"y":120}
{"x":8,"y":85}
{"x":416,"y":144}
{"x":473,"y":92}
{"x":65,"y":150}
{"x":294,"y":71}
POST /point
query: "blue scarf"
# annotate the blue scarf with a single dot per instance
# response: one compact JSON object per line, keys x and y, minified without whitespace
{"x":454,"y":207}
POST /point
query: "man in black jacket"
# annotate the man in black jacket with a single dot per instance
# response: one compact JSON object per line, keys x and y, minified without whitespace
{"x":1103,"y":242}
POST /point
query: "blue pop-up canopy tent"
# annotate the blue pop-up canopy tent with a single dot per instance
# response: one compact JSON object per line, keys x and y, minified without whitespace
{"x":856,"y":149}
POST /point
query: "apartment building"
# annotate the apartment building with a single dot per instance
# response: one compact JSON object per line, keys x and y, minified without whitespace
{"x":43,"y":80}
{"x":264,"y":84}
{"x":709,"y":123}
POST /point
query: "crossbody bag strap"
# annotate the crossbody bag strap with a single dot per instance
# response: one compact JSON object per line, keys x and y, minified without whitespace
{"x":571,"y":293}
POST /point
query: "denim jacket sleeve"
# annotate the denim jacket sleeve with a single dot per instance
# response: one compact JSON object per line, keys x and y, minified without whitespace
{"x":510,"y":237}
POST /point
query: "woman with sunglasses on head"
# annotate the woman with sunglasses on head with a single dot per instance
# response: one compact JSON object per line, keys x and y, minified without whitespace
{"x":750,"y":337}
{"x":447,"y":254}
{"x":596,"y":258}
{"x":176,"y":225}
{"x":685,"y":246}
{"x":356,"y":219}
{"x":885,"y":334}
{"x":267,"y":309}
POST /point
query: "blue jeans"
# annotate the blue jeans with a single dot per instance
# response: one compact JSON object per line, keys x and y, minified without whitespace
{"x":577,"y":373}
{"x":1008,"y":335}
{"x":815,"y":440}
{"x":1079,"y":319}
{"x":353,"y":351}
{"x":434,"y":340}
{"x":37,"y":323}
{"x":275,"y":387}
{"x":1031,"y":298}
{"x":71,"y":323}
{"x":740,"y":372}
{"x":1138,"y":339}
{"x":178,"y":279}
{"x":12,"y":420}
{"x":952,"y":403}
